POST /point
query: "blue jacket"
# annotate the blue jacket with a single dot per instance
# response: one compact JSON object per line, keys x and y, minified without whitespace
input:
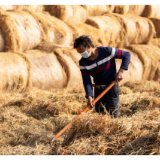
{"x":103,"y":68}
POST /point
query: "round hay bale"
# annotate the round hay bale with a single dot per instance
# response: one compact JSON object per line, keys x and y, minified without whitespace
{"x":53,"y":29}
{"x":67,"y":12}
{"x":34,"y":8}
{"x":152,"y":11}
{"x":110,"y":8}
{"x":84,"y":29}
{"x":113,"y":31}
{"x":95,"y":10}
{"x":156,"y":23}
{"x":155,"y":42}
{"x":1,"y":42}
{"x":121,"y":9}
{"x":139,"y":30}
{"x":69,"y":63}
{"x":150,"y":57}
{"x":136,"y":9}
{"x":14,"y":71}
{"x":46,"y":72}
{"x":135,"y":70}
{"x":6,"y":7}
{"x":20,"y":30}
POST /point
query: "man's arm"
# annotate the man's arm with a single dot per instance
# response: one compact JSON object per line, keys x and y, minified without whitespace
{"x":126,"y":58}
{"x":86,"y":82}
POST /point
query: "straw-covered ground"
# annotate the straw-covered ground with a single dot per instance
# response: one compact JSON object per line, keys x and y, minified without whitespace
{"x":29,"y":119}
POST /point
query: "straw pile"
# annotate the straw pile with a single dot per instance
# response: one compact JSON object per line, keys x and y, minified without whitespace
{"x":53,"y":29}
{"x":152,"y":11}
{"x":150,"y":58}
{"x":95,"y":10}
{"x":20,"y":30}
{"x":46,"y":72}
{"x":114,"y":36}
{"x":67,"y":12}
{"x":29,"y":120}
{"x":14,"y":72}
{"x":138,"y":30}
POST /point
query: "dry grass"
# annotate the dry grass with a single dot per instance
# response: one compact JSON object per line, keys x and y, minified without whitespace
{"x":29,"y":120}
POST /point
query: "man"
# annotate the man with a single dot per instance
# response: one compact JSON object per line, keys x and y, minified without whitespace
{"x":99,"y":62}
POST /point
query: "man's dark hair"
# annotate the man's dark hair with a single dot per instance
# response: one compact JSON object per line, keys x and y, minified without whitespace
{"x":83,"y":41}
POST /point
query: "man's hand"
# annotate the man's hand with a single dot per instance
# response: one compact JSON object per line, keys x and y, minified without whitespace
{"x":119,"y":76}
{"x":89,"y":103}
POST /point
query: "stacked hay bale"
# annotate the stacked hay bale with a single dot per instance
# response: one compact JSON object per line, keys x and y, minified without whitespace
{"x":128,"y":29}
{"x":6,"y":7}
{"x":95,"y":10}
{"x":35,"y":8}
{"x":67,"y":12}
{"x":110,"y":8}
{"x":138,"y":30}
{"x":53,"y":29}
{"x":114,"y":36}
{"x":156,"y":23}
{"x":46,"y":72}
{"x":133,"y":9}
{"x":20,"y":31}
{"x":151,"y":11}
{"x":14,"y":72}
{"x":69,"y":61}
{"x":150,"y":58}
{"x":26,"y":29}
{"x":135,"y":70}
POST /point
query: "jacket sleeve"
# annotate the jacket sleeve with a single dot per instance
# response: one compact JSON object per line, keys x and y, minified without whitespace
{"x":86,"y":81}
{"x":121,"y":54}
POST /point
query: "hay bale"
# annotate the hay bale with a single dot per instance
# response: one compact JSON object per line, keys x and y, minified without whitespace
{"x":121,"y":9}
{"x":67,"y":12}
{"x":1,"y":42}
{"x":156,"y":23}
{"x":95,"y":10}
{"x":34,"y":8}
{"x":113,"y":31}
{"x":69,"y":64}
{"x":136,"y":9}
{"x":155,"y":42}
{"x":84,"y":29}
{"x":139,"y":30}
{"x":14,"y":71}
{"x":110,"y":8}
{"x":6,"y":7}
{"x":20,"y":30}
{"x":53,"y":29}
{"x":135,"y":70}
{"x":151,"y":11}
{"x":133,"y":9}
{"x":46,"y":72}
{"x":150,"y":57}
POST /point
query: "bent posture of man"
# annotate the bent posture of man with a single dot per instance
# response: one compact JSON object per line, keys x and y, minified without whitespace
{"x":99,"y":62}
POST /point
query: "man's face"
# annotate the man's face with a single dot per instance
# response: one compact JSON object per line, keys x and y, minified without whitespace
{"x":82,"y":49}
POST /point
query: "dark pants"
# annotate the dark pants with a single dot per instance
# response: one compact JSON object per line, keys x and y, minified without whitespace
{"x":109,"y":102}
